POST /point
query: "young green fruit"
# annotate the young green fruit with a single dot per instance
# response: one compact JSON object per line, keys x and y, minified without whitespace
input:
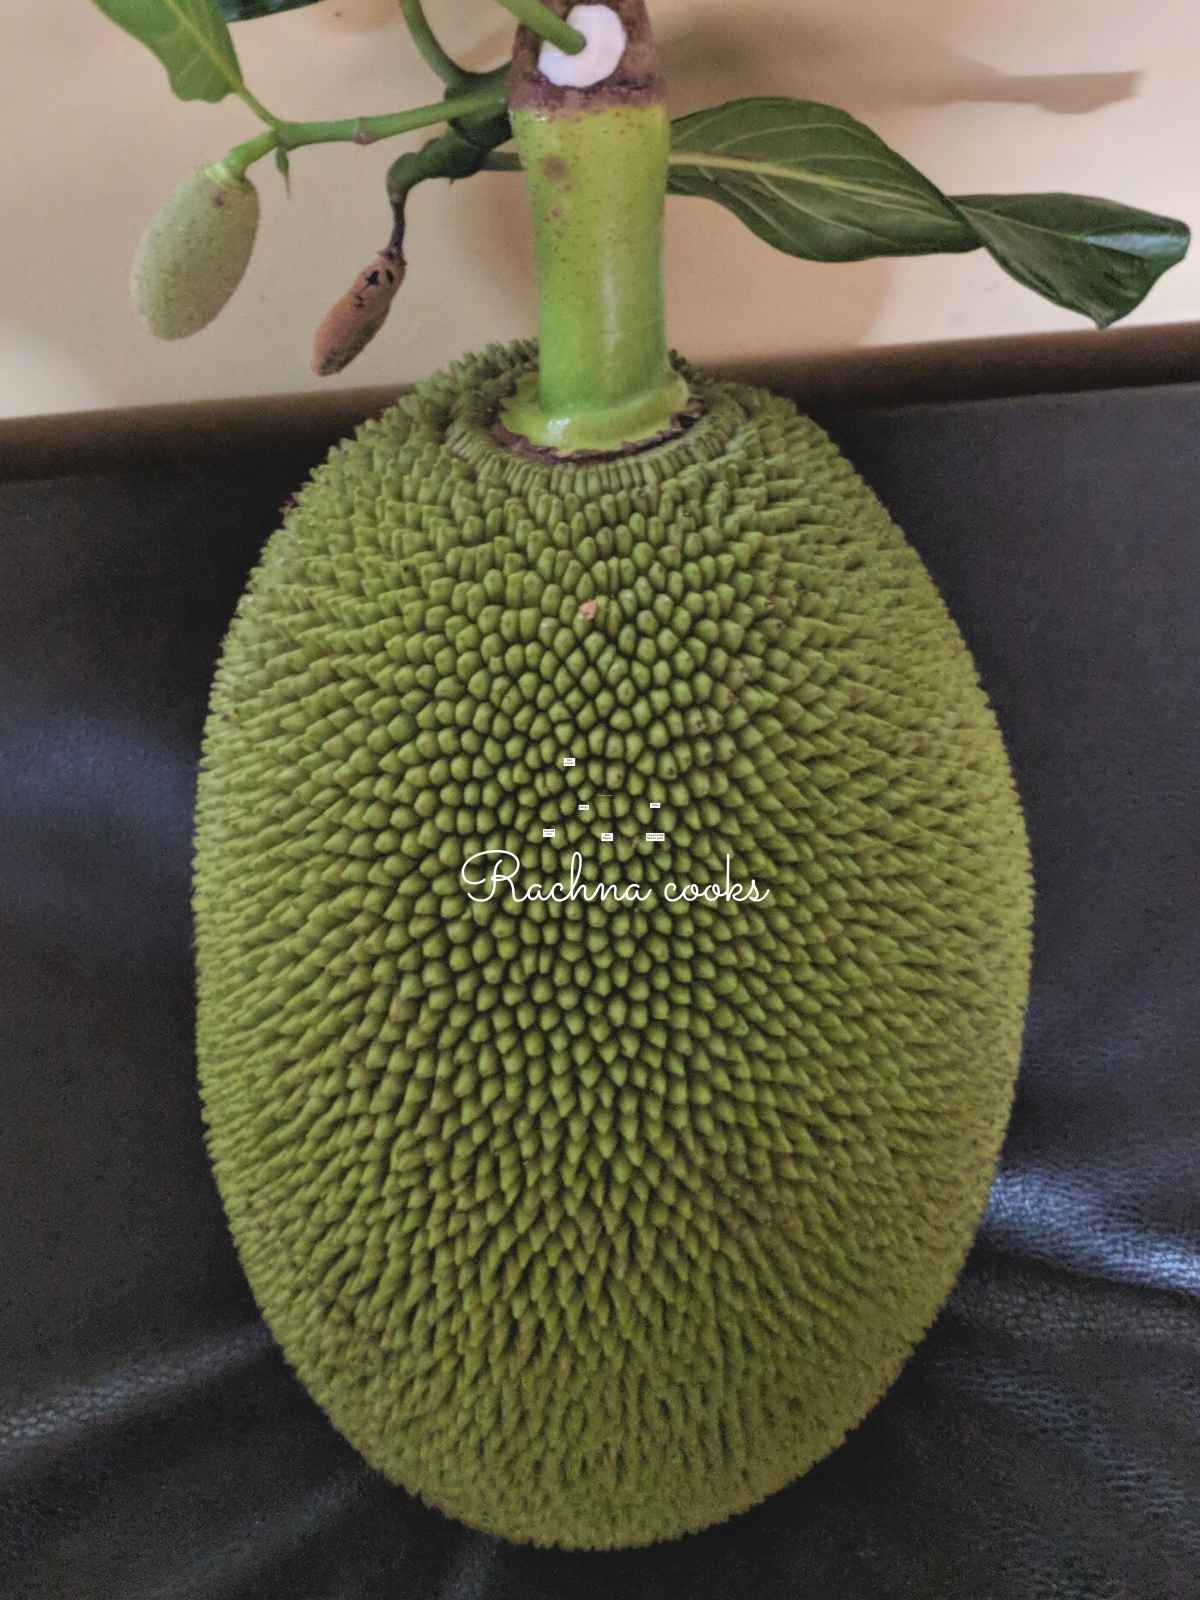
{"x":594,"y":1222}
{"x":194,"y":253}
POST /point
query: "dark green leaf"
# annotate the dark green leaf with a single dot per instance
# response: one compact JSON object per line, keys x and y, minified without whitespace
{"x":283,"y":164}
{"x":1088,"y":255}
{"x":246,"y":10}
{"x":189,"y":37}
{"x":811,"y":180}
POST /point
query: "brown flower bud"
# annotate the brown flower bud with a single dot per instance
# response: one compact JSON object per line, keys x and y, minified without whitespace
{"x":354,"y":320}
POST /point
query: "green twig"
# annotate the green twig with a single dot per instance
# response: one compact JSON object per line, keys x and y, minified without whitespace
{"x":245,"y":155}
{"x":366,"y":130}
{"x":363,"y":130}
{"x":539,"y":19}
{"x":438,"y":60}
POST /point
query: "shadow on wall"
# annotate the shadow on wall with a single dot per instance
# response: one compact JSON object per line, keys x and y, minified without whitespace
{"x":854,"y":63}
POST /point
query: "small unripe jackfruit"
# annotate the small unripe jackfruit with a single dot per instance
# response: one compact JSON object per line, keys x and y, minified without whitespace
{"x":596,"y":1221}
{"x":194,"y":253}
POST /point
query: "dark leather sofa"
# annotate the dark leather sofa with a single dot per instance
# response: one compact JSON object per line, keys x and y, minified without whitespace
{"x":1045,"y":1439}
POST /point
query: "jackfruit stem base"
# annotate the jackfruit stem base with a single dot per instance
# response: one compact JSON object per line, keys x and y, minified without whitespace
{"x":596,"y":168}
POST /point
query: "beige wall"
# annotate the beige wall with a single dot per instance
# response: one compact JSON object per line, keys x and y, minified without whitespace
{"x":981,"y":94}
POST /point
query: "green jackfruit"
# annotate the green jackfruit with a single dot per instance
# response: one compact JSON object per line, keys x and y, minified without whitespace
{"x":596,"y":1221}
{"x":194,"y":253}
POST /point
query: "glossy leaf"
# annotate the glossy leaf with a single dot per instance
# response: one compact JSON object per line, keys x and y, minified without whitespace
{"x":189,"y":37}
{"x":1088,"y":255}
{"x":247,"y":10}
{"x":813,"y":181}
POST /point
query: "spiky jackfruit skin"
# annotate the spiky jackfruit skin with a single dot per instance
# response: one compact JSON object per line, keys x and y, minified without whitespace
{"x":595,"y":1223}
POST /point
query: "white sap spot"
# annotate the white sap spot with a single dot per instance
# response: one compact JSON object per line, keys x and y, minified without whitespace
{"x":599,"y":58}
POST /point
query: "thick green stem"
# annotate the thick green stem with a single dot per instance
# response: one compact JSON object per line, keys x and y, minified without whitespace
{"x":539,"y":19}
{"x":438,"y":60}
{"x":596,"y":167}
